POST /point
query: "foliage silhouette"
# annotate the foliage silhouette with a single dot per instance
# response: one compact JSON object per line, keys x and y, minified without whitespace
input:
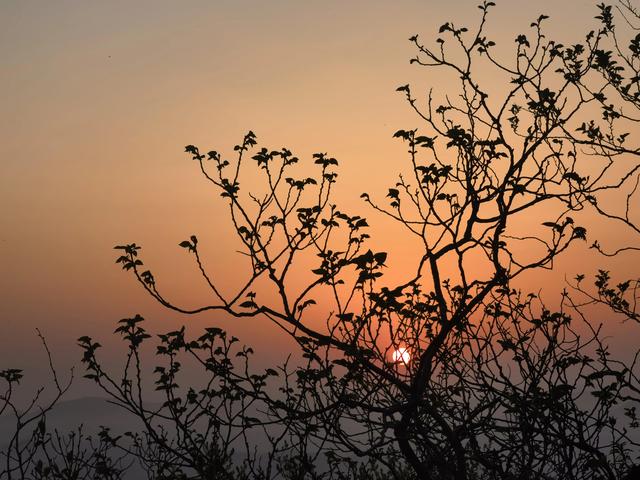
{"x":499,"y":384}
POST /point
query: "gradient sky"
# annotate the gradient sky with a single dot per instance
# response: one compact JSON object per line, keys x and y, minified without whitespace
{"x":99,"y":99}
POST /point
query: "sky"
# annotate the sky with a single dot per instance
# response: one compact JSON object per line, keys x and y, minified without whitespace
{"x":100,"y":98}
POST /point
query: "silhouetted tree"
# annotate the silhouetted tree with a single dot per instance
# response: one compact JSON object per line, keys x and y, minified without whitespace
{"x":496,"y":383}
{"x":456,"y":372}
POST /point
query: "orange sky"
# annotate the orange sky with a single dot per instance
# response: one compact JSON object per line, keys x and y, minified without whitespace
{"x":99,"y":99}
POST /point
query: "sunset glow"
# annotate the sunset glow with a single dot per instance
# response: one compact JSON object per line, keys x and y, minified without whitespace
{"x":228,"y":227}
{"x":401,"y":355}
{"x":136,"y":117}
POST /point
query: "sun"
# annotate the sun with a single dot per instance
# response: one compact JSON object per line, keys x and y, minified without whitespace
{"x":401,"y":354}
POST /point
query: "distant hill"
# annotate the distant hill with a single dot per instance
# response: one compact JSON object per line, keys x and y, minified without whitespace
{"x":90,"y":412}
